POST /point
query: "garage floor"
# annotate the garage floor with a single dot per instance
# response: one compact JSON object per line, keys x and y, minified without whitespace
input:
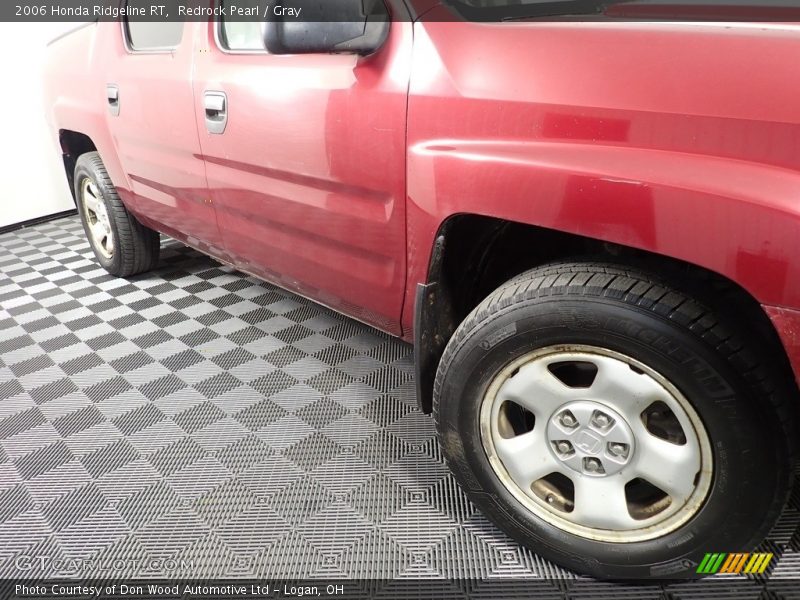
{"x":196,"y":422}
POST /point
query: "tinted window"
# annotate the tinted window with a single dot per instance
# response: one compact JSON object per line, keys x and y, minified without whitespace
{"x":240,"y":33}
{"x":153,"y":35}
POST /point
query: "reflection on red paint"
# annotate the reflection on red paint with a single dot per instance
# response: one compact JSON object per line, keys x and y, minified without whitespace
{"x":578,"y":127}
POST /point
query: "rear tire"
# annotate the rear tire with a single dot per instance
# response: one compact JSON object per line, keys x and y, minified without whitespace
{"x":122,"y":245}
{"x":721,"y":400}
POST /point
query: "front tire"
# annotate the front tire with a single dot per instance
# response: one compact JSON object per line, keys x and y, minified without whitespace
{"x":122,"y":245}
{"x":614,"y":425}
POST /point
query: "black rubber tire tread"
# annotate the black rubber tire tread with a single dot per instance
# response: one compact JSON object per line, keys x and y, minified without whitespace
{"x":631,"y":286}
{"x":136,"y":247}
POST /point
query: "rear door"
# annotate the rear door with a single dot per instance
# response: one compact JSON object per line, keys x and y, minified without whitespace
{"x":307,"y":173}
{"x":150,"y":114}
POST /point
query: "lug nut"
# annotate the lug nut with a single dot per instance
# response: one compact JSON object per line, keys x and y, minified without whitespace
{"x":602,"y":420}
{"x":617,"y":449}
{"x":564,"y":447}
{"x":592,"y":465}
{"x":568,"y":419}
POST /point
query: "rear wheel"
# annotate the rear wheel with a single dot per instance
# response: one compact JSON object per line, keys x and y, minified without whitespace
{"x":613,"y":424}
{"x":122,"y":245}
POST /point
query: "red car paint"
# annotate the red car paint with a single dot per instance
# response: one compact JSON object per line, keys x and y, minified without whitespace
{"x":335,"y":172}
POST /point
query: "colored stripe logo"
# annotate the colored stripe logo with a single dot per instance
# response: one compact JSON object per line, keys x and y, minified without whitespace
{"x":737,"y":562}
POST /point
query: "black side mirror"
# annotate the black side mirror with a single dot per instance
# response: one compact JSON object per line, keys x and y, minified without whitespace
{"x":326,"y":26}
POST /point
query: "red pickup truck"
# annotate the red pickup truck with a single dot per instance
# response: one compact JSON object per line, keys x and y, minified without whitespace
{"x":588,"y":226}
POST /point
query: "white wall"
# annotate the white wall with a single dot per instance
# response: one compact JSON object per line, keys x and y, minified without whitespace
{"x":32,"y":181}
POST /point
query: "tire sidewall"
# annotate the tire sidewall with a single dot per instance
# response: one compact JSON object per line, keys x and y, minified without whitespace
{"x":83,"y":171}
{"x":741,"y":488}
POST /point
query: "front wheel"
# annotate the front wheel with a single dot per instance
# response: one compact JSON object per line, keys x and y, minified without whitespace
{"x":612,"y":424}
{"x":122,"y":245}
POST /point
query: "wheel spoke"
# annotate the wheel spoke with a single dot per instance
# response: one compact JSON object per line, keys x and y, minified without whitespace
{"x":535,"y":388}
{"x":670,"y":467}
{"x":109,"y":243}
{"x":526,"y":457}
{"x":98,"y":231}
{"x":91,"y":198}
{"x":632,"y":391}
{"x":600,"y":502}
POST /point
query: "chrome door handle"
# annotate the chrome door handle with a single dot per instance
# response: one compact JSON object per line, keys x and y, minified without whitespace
{"x":216,"y":107}
{"x":112,"y":95}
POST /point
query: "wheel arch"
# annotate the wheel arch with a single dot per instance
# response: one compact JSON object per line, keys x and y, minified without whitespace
{"x":474,"y":254}
{"x":73,"y":144}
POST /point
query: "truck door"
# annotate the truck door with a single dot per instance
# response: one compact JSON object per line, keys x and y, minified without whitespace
{"x":305,"y":159}
{"x":150,"y":114}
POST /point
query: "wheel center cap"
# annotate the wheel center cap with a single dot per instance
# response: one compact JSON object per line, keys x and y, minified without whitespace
{"x":588,"y":442}
{"x":591,"y":438}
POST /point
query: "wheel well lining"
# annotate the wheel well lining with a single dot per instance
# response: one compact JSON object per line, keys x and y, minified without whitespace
{"x":73,"y":144}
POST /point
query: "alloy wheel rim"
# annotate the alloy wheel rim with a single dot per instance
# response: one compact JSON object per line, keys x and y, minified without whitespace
{"x":97,"y":218}
{"x":596,"y":443}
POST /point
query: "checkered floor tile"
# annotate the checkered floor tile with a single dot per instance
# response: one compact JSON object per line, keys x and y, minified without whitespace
{"x":194,"y":421}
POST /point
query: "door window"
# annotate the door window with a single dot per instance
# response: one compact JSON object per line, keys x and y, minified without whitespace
{"x":238,"y":34}
{"x":149,"y":36}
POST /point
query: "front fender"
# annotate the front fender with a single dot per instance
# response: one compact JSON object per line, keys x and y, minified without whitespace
{"x":682,"y":139}
{"x":739,"y":219}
